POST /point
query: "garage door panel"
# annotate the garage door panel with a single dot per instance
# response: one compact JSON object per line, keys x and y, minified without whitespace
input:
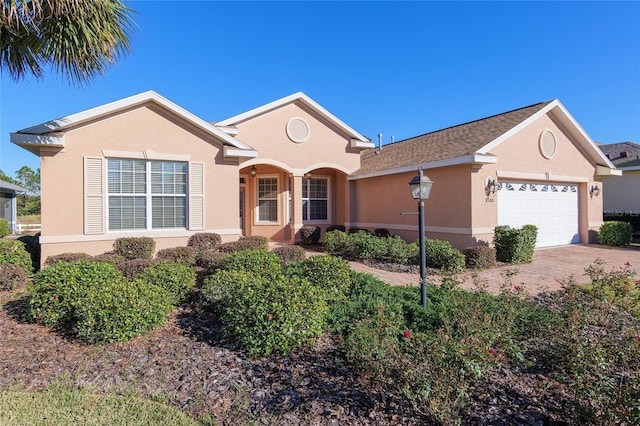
{"x":553,"y":208}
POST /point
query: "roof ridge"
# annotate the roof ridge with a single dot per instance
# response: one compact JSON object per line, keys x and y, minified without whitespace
{"x":468,"y":122}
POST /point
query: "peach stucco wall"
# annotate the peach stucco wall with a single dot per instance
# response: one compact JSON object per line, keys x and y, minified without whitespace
{"x":141,"y":128}
{"x":458,"y":209}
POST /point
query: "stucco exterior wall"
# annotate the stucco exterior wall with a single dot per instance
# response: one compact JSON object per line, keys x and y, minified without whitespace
{"x":135,"y":131}
{"x":622,"y":193}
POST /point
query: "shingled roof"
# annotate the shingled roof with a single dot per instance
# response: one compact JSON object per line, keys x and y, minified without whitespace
{"x":446,"y":144}
{"x":622,"y":154}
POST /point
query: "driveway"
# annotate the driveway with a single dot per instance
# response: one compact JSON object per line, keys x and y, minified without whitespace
{"x":548,"y":270}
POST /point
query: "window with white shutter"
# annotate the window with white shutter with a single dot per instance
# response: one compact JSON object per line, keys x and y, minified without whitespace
{"x":93,"y":196}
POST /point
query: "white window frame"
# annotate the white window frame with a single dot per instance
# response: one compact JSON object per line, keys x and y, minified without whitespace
{"x":329,"y":209}
{"x":149,"y":195}
{"x":257,"y":220}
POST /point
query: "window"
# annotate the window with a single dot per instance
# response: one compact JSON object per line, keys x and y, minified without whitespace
{"x":315,"y":199}
{"x":146,"y":194}
{"x":267,"y":199}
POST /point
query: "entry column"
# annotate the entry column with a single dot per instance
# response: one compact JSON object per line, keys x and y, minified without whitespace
{"x":296,"y":207}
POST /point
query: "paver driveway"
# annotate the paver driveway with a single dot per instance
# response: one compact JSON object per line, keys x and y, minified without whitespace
{"x":550,"y":267}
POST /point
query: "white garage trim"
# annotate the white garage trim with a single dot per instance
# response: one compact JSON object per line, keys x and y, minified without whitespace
{"x":552,"y":207}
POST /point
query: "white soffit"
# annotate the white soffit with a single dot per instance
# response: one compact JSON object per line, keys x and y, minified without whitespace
{"x":301,"y":97}
{"x":61,"y":124}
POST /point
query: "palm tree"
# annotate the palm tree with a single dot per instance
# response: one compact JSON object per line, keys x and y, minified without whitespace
{"x":80,"y":39}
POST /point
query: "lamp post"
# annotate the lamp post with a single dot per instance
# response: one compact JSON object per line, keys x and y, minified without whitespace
{"x":420,"y":188}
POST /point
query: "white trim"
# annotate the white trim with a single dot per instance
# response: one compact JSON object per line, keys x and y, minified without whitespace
{"x":31,"y":141}
{"x":63,"y":123}
{"x":231,"y":131}
{"x":301,"y":97}
{"x":565,"y":118}
{"x":433,"y":229}
{"x":231,"y":152}
{"x":147,"y":154}
{"x":358,"y":144}
{"x":469,"y":159}
{"x":256,"y":214}
{"x":294,"y":171}
{"x":171,"y":233}
{"x":608,"y":171}
{"x":540,"y":177}
{"x":329,"y":203}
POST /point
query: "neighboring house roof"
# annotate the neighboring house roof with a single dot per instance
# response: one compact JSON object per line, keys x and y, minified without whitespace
{"x":51,"y":133}
{"x":469,"y":143}
{"x":623,"y":154}
{"x":301,"y":98}
{"x":10,"y":186}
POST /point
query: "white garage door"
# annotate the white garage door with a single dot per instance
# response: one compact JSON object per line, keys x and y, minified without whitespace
{"x":553,"y":208}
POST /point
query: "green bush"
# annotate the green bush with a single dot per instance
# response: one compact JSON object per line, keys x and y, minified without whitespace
{"x":120,"y":310}
{"x":259,"y":262}
{"x":182,"y":255}
{"x":57,"y":291}
{"x":131,"y":268}
{"x":204,"y":241}
{"x":442,"y":255}
{"x":4,"y":227}
{"x":615,"y":233}
{"x":480,"y":257}
{"x":289,"y":253}
{"x":66,"y":257}
{"x":274,"y":315}
{"x":310,"y":234}
{"x":337,"y":242}
{"x":110,"y":258}
{"x":13,"y":252}
{"x":210,"y":260}
{"x":515,"y":245}
{"x":365,"y":245}
{"x":632,"y":217}
{"x":218,"y":289}
{"x":332,"y":274}
{"x":135,"y":247}
{"x":398,"y":251}
{"x":253,"y":242}
{"x":32,"y":245}
{"x":176,"y":279}
{"x":11,"y":276}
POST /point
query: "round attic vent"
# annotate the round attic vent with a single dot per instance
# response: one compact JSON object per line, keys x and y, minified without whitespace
{"x":297,"y":130}
{"x":548,"y":144}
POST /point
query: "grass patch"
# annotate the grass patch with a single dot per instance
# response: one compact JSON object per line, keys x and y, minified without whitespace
{"x":64,"y":406}
{"x":29,"y":219}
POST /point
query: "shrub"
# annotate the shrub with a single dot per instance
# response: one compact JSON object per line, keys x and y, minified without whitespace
{"x":4,"y":227}
{"x":182,"y":255}
{"x":32,"y":245}
{"x":218,"y":288}
{"x":515,"y":245}
{"x":204,"y":241}
{"x":259,"y":262}
{"x":210,"y":260}
{"x":12,"y":252}
{"x":632,"y":217}
{"x":289,"y":253}
{"x":274,"y":315}
{"x":109,"y":257}
{"x":397,"y":250}
{"x":337,"y":242}
{"x":382,"y":233}
{"x":66,"y":257}
{"x":175,"y":278}
{"x":11,"y":276}
{"x":310,"y":234}
{"x":615,"y":233}
{"x":253,"y":242}
{"x":135,"y":247}
{"x":58,"y":291}
{"x":120,"y":310}
{"x":441,"y":254}
{"x":131,"y":268}
{"x":365,"y":245}
{"x":480,"y":257}
{"x":332,"y":274}
{"x":354,"y":230}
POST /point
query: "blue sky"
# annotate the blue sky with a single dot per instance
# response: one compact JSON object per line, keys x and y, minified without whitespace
{"x":396,"y":68}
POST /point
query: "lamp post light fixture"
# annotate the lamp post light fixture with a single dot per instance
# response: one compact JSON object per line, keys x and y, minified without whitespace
{"x":420,"y":189}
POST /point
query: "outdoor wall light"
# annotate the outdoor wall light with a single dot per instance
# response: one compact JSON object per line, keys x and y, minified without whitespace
{"x":490,"y":186}
{"x":594,"y":191}
{"x":420,"y":189}
{"x":253,"y":171}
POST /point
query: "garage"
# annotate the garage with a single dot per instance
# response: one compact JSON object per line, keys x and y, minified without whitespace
{"x":552,"y":207}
